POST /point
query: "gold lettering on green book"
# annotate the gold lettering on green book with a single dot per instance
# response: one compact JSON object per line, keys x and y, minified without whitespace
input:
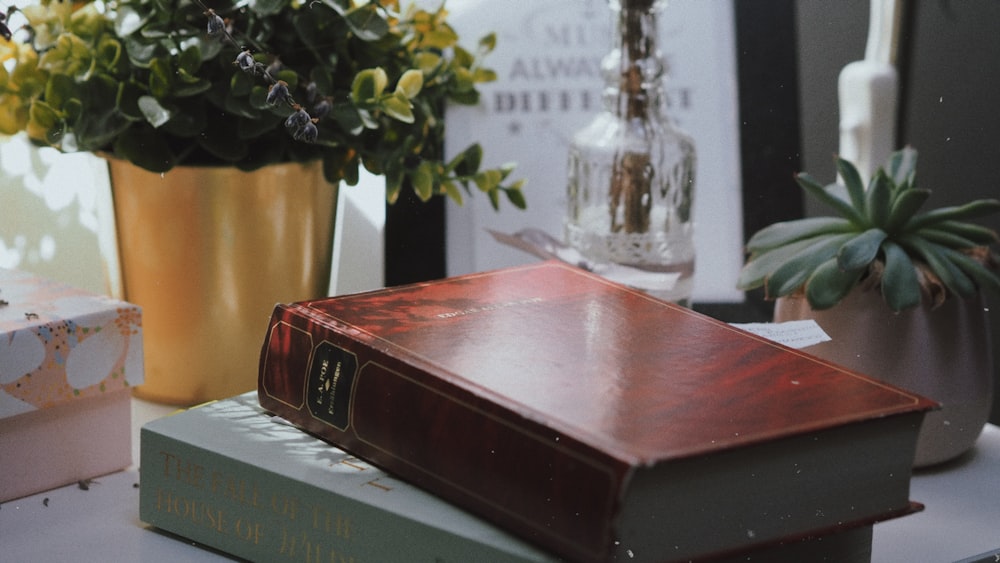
{"x":328,"y":522}
{"x":190,"y":473}
{"x":250,"y":531}
{"x":234,"y":488}
{"x":301,"y":547}
{"x":353,"y":463}
{"x":377,"y":485}
{"x":232,"y":505}
{"x":195,"y":511}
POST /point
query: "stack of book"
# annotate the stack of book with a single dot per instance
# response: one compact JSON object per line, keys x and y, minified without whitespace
{"x":591,"y":421}
{"x":233,"y":477}
{"x":68,"y":359}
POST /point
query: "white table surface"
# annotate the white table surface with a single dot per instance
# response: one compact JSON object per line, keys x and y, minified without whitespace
{"x":961,"y":519}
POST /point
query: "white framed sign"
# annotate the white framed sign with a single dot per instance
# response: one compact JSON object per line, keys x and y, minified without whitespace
{"x":549,"y":86}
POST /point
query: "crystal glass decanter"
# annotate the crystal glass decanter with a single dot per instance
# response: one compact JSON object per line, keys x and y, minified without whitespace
{"x":631,"y":171}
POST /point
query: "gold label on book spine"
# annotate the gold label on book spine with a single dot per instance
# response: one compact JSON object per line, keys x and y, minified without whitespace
{"x":331,"y":377}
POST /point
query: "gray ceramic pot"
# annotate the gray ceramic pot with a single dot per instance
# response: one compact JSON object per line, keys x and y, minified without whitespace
{"x":943,"y":354}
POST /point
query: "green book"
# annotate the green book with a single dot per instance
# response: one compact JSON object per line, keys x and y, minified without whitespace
{"x":232,"y":477}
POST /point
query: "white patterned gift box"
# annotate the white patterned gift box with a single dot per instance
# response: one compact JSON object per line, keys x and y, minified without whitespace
{"x":68,"y":361}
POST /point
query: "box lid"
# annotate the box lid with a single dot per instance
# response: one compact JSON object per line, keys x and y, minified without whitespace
{"x":59,"y":343}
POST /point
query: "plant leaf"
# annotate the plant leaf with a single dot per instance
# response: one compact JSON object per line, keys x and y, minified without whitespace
{"x":143,"y":147}
{"x":900,"y":285}
{"x":936,"y":256}
{"x":852,"y":181}
{"x":160,"y":78}
{"x":128,"y":20}
{"x":267,"y":7}
{"x":515,"y":196}
{"x":127,"y":100}
{"x":829,"y":283}
{"x":487,"y":43}
{"x":487,"y":180}
{"x":340,"y":163}
{"x":902,"y":165}
{"x":468,"y":161}
{"x":793,"y":273}
{"x":759,"y":266}
{"x":904,"y":206}
{"x":494,"y":199}
{"x":366,"y":22}
{"x":347,"y":116}
{"x":984,"y":278}
{"x":398,"y":107}
{"x":451,"y":189}
{"x":785,"y":232}
{"x":484,"y":75}
{"x":423,"y":180}
{"x":154,"y":113}
{"x":861,"y":250}
{"x":977,"y":208}
{"x":841,"y":206}
{"x":946,"y":238}
{"x":878,"y":199}
{"x":410,"y":83}
{"x":368,"y":85}
{"x":976,"y":233}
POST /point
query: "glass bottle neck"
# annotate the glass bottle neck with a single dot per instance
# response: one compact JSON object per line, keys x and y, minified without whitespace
{"x":634,"y":70}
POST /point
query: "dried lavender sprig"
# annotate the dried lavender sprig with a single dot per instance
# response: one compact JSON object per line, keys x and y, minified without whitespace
{"x":4,"y":30}
{"x":302,"y":124}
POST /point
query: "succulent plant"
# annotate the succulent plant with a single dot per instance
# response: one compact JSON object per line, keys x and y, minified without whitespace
{"x":247,"y":83}
{"x":879,"y":237}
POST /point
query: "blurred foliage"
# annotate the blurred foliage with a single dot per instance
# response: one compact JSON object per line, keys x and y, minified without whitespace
{"x":163,"y":83}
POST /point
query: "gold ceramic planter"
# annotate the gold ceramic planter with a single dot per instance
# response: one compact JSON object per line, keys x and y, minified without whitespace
{"x":207,"y":252}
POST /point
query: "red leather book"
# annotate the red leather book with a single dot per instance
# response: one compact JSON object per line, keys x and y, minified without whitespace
{"x":590,"y":418}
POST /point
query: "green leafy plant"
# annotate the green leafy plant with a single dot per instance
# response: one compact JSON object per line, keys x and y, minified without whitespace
{"x":249,"y":83}
{"x":880,"y":237}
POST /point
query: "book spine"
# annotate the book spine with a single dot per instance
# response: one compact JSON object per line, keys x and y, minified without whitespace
{"x":360,"y":394}
{"x":236,"y":507}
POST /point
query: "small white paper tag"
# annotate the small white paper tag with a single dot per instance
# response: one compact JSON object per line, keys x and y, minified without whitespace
{"x":796,"y":334}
